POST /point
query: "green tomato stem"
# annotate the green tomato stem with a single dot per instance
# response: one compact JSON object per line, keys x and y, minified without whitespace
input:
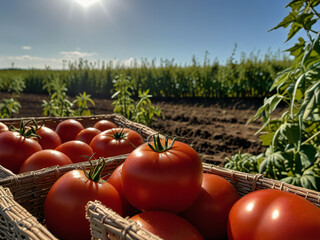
{"x":95,"y":171}
{"x":23,"y":129}
{"x":158,"y":147}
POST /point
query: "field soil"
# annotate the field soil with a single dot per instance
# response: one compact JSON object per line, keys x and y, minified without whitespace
{"x":215,"y":128}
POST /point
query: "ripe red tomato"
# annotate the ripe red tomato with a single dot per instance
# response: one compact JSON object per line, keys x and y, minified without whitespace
{"x":115,"y":141}
{"x":87,"y":134}
{"x":115,"y":180}
{"x":209,"y":213}
{"x":64,"y":208}
{"x":75,"y":150}
{"x":167,"y":225}
{"x":273,"y":214}
{"x":103,"y":125}
{"x":68,"y":129}
{"x":3,"y":127}
{"x":44,"y":158}
{"x":168,"y":180}
{"x":15,"y":149}
{"x":49,"y":138}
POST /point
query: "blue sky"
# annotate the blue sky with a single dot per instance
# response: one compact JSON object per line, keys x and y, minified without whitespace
{"x":39,"y":33}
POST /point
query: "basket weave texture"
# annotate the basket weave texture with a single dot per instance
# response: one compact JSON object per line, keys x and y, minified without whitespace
{"x":106,"y":224}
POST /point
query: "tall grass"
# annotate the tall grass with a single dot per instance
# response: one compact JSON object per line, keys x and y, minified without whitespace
{"x":250,"y":76}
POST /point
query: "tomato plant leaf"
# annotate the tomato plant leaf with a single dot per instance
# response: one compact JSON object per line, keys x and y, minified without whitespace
{"x":273,"y":165}
{"x":307,"y":155}
{"x":292,"y":132}
{"x":295,"y":27}
{"x":295,"y":4}
{"x":295,"y":96}
{"x":311,"y":101}
{"x":286,"y":21}
{"x":309,"y":182}
{"x":266,"y":139}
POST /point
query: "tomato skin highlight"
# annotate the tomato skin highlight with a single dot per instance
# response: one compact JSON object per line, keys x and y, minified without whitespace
{"x":3,"y":127}
{"x":87,"y":134}
{"x":168,"y":181}
{"x":75,"y":150}
{"x":15,"y":149}
{"x":106,"y":145}
{"x":104,"y":125}
{"x":49,"y":138}
{"x":44,"y":158}
{"x":209,"y":213}
{"x":273,"y":214}
{"x":64,"y":208}
{"x":68,"y":129}
{"x":167,"y":226}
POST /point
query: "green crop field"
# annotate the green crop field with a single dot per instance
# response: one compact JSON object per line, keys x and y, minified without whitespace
{"x":251,"y":76}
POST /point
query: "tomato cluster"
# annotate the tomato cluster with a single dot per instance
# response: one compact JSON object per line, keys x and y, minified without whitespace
{"x":152,"y":186}
{"x":34,"y":147}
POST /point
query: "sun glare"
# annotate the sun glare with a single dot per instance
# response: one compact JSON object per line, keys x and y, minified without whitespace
{"x":87,"y":3}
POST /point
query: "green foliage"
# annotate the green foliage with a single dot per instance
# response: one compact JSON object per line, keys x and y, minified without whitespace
{"x":81,"y":102}
{"x":243,"y":162}
{"x":59,"y":105}
{"x":15,"y":85}
{"x":251,"y":76}
{"x":293,"y":152}
{"x":141,"y":111}
{"x":8,"y":107}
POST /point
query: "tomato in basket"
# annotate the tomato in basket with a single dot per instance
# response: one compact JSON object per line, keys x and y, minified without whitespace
{"x":68,"y":129}
{"x":115,"y":141}
{"x":167,"y":226}
{"x":17,"y":145}
{"x":49,"y":139}
{"x":75,"y":150}
{"x":44,"y":158}
{"x":165,"y":175}
{"x":87,"y":134}
{"x":104,"y":125}
{"x":64,"y":208}
{"x":209,"y":213}
{"x":273,"y":214}
{"x":115,"y":180}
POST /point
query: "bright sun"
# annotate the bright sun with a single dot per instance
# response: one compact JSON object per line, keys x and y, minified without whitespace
{"x":87,"y":3}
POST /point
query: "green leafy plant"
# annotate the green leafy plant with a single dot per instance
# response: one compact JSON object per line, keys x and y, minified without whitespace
{"x":8,"y":107}
{"x":243,"y":162}
{"x":293,"y":140}
{"x":141,"y":111}
{"x":16,"y":86}
{"x":59,"y":105}
{"x":81,"y":102}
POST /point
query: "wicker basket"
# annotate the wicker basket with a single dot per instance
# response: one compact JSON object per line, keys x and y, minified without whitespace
{"x":23,"y":195}
{"x":106,"y":224}
{"x":86,"y":121}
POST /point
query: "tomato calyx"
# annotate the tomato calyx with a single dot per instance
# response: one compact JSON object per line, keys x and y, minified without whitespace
{"x":27,"y":131}
{"x":95,"y":171}
{"x":158,"y":147}
{"x":120,"y":135}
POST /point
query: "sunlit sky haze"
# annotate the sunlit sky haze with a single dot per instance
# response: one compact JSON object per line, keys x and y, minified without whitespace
{"x":39,"y":33}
